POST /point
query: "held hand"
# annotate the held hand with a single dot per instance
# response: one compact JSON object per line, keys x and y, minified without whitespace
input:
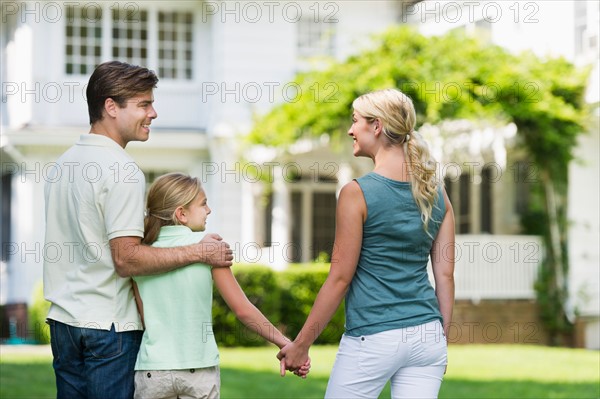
{"x":295,"y":358}
{"x":301,"y":372}
{"x":215,"y":251}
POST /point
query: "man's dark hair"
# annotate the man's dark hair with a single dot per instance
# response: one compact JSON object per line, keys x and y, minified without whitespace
{"x":119,"y":81}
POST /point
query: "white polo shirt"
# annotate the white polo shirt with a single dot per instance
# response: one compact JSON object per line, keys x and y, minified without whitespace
{"x":94,"y":193}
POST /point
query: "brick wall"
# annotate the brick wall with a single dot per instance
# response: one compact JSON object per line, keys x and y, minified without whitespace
{"x":13,"y":321}
{"x":497,"y":321}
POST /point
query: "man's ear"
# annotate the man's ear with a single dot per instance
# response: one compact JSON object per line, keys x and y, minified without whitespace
{"x":180,"y":214}
{"x":110,"y":107}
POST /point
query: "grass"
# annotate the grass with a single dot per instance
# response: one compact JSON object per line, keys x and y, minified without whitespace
{"x":474,"y":371}
{"x":26,"y":376}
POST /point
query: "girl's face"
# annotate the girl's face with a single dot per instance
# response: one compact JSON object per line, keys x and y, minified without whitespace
{"x":195,"y":214}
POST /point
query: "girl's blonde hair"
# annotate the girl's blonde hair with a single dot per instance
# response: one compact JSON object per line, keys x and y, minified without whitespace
{"x":166,"y":194}
{"x":397,"y":114}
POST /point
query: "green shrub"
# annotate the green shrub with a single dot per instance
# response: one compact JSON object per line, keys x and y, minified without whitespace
{"x":285,"y":298}
{"x":37,"y":312}
{"x":261,"y":287}
{"x":300,"y":285}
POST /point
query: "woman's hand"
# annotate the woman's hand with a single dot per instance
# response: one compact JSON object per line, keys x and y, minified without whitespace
{"x":295,"y":358}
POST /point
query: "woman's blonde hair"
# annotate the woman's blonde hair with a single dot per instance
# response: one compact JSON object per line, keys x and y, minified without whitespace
{"x":396,"y":113}
{"x":166,"y":194}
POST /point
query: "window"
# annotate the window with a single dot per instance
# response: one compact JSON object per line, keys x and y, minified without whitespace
{"x":464,"y":204}
{"x":83,"y":40}
{"x":579,"y":39}
{"x":593,"y":43}
{"x":315,"y":38}
{"x":587,"y":20}
{"x":323,"y":224}
{"x":5,"y":213}
{"x":483,"y":30}
{"x":130,"y":36}
{"x":312,"y":214}
{"x":487,"y":176}
{"x":449,"y":191}
{"x":297,"y":225}
{"x":268,"y":214}
{"x":175,"y":45}
{"x":459,"y":192}
{"x":151,"y":176}
{"x":525,"y":175}
{"x":128,"y":39}
{"x":474,"y":199}
{"x":317,"y":221}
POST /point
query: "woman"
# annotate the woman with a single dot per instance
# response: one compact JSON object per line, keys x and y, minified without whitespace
{"x":389,"y":222}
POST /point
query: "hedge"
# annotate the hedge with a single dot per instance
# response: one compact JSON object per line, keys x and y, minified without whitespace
{"x":260,"y":283}
{"x":37,"y":312}
{"x":300,"y":285}
{"x":285,"y":298}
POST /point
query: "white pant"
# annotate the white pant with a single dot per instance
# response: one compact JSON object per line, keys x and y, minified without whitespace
{"x":412,"y":358}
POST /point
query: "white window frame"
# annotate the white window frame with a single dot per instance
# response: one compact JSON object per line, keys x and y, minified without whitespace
{"x":306,"y":191}
{"x":315,"y":38}
{"x":152,"y":26}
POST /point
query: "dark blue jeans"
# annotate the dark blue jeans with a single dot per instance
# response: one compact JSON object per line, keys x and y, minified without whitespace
{"x":91,"y":363}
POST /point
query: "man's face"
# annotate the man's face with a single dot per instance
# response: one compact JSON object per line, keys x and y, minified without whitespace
{"x":134,"y":119}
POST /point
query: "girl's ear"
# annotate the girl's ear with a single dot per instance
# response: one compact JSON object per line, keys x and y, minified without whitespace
{"x":180,"y":214}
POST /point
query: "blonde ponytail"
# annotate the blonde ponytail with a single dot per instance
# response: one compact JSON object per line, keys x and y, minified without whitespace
{"x":423,"y":176}
{"x":397,"y":114}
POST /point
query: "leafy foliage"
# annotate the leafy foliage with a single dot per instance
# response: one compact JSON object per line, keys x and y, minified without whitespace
{"x":448,"y":77}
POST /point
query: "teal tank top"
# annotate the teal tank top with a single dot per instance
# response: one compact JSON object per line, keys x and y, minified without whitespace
{"x":391,"y":287}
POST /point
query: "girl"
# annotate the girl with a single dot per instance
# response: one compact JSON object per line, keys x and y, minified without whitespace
{"x":389,"y":222}
{"x":178,"y":356}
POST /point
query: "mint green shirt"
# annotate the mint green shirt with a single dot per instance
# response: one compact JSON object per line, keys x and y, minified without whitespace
{"x":391,"y":288}
{"x":177,"y":312}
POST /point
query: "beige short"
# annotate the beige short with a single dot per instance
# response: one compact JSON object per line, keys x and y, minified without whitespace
{"x":183,"y":384}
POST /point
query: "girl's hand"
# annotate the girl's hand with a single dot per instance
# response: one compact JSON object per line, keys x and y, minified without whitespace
{"x":301,"y":372}
{"x":295,"y":358}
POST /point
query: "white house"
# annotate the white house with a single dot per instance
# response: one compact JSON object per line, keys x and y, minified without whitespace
{"x":563,"y":28}
{"x":222,"y":62}
{"x":219,"y":63}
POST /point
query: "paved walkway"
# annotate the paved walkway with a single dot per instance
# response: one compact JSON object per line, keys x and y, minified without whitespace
{"x":25,"y":349}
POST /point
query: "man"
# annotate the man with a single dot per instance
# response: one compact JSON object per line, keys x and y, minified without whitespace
{"x":94,"y":214}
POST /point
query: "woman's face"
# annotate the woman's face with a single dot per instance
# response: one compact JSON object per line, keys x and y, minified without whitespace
{"x":362,"y":132}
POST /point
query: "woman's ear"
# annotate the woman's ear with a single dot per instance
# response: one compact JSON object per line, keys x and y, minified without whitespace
{"x":180,"y":214}
{"x":377,"y":126}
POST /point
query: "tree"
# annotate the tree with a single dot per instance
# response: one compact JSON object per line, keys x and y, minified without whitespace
{"x":458,"y":77}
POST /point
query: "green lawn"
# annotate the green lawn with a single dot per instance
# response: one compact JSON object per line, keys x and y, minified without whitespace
{"x":474,"y":371}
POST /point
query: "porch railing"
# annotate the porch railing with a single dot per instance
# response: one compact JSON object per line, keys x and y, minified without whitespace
{"x":496,"y":266}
